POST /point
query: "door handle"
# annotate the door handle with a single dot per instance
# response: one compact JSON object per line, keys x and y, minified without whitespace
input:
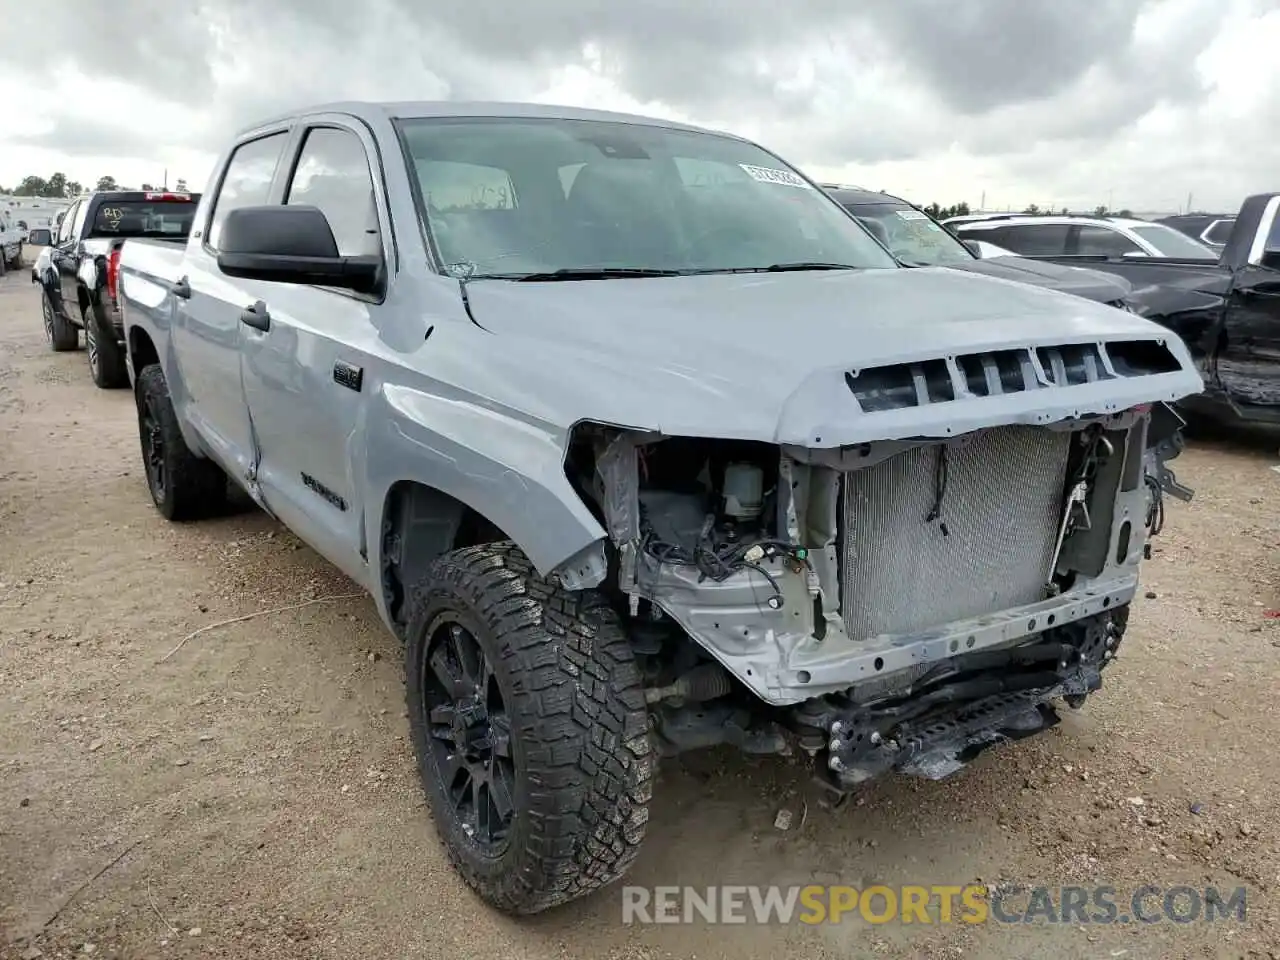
{"x":256,"y":316}
{"x":181,"y":288}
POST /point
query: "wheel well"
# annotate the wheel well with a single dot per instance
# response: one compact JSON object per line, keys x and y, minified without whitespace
{"x":141,"y":350}
{"x":420,"y":523}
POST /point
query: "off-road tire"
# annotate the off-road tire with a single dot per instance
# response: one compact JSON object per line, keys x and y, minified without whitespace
{"x":105,"y":354}
{"x":190,"y":487}
{"x":574,"y":700}
{"x":61,"y":334}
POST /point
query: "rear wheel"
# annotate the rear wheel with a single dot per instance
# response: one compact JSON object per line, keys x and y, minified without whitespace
{"x":106,"y":356}
{"x":62,"y":336}
{"x":529,"y":721}
{"x":183,"y":486}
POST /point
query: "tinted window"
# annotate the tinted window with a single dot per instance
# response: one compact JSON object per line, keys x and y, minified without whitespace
{"x":509,"y":196}
{"x":333,"y":175}
{"x":1220,"y":231}
{"x":143,"y":218}
{"x":247,"y":181}
{"x":1028,"y":239}
{"x":1098,"y":241}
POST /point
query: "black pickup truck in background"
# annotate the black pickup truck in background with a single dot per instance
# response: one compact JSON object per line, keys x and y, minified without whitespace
{"x":78,"y":271}
{"x":1227,"y":311}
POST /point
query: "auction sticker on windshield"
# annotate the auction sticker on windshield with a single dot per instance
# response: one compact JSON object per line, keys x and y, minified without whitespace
{"x":783,"y":178}
{"x":911,"y":215}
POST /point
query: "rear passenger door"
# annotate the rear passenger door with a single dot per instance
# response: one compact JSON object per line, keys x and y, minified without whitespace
{"x":305,"y":375}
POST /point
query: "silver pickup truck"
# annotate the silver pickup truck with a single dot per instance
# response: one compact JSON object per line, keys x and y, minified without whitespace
{"x":642,"y":444}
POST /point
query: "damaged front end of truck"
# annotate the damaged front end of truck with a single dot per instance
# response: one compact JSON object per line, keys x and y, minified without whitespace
{"x":931,"y":585}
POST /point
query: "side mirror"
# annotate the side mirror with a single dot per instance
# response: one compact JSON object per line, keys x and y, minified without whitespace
{"x":973,"y":247}
{"x":291,"y":244}
{"x":57,"y":221}
{"x":40,"y":238}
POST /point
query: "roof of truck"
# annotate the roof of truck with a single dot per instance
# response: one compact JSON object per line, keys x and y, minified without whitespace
{"x":414,"y":109}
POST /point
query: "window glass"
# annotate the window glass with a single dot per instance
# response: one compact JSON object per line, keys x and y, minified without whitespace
{"x":1096,"y":241}
{"x":247,"y":181}
{"x":144,"y":218}
{"x":511,"y":196}
{"x":1170,"y":243}
{"x":77,"y":223}
{"x":1220,"y":231}
{"x":910,"y":234}
{"x":1027,"y":239}
{"x":450,"y":186}
{"x":333,"y":175}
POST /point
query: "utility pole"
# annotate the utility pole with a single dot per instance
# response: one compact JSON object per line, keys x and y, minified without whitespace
{"x":166,"y":179}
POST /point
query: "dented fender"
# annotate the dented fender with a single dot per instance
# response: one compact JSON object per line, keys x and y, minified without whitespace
{"x":507,"y":469}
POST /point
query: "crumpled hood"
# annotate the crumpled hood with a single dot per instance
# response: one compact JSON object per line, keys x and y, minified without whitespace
{"x":765,"y":356}
{"x":1080,"y":281}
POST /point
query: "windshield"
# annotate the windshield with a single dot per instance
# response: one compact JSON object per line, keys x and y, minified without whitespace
{"x":910,"y":235}
{"x":139,"y":218}
{"x":1170,"y":243}
{"x":526,"y":196}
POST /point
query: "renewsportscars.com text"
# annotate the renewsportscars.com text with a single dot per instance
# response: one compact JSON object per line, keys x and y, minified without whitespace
{"x":932,"y":904}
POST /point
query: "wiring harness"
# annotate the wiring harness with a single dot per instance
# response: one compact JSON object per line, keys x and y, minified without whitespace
{"x":718,"y":562}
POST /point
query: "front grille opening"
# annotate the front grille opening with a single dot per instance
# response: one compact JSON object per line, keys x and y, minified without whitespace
{"x":937,"y":381}
{"x":991,"y":374}
{"x":901,"y":385}
{"x":1072,"y":364}
{"x":883,"y":388}
{"x":1138,"y":358}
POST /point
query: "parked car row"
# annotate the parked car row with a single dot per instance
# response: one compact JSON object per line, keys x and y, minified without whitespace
{"x":641,"y":443}
{"x":1225,"y":305}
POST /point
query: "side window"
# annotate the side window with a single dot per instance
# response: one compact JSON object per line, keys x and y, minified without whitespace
{"x":77,"y":222}
{"x":333,"y":175}
{"x":247,"y":181}
{"x":1030,"y":239}
{"x":1098,"y":241}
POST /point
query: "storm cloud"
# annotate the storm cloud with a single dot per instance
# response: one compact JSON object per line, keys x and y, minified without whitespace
{"x":972,"y":91}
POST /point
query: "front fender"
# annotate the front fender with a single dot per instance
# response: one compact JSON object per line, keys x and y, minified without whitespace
{"x":45,"y":275}
{"x":509,"y":471}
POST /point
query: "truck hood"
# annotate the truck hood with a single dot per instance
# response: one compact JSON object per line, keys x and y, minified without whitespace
{"x":774,"y":357}
{"x":1080,"y":281}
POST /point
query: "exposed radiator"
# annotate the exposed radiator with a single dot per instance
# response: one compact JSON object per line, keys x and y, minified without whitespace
{"x":1001,"y":507}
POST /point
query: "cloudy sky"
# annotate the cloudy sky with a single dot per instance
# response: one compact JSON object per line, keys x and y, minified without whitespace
{"x":1065,"y":102}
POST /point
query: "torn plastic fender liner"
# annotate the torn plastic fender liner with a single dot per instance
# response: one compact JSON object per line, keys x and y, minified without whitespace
{"x":509,"y":471}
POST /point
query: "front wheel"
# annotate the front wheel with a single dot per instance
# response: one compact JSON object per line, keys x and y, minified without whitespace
{"x":183,"y":486}
{"x":62,"y":336}
{"x":528,"y":716}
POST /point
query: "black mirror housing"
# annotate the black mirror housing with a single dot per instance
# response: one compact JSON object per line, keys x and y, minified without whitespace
{"x":40,"y":237}
{"x":972,"y":247}
{"x":291,"y":244}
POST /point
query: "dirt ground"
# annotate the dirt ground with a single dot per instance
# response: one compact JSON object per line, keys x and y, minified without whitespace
{"x":254,"y":795}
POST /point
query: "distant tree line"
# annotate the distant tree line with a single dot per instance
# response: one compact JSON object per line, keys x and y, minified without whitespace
{"x":58,"y":187}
